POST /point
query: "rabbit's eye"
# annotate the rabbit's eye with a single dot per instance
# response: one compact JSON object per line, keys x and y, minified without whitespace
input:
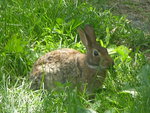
{"x":95,"y":53}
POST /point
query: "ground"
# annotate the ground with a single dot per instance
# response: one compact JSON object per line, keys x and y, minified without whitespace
{"x":138,"y":11}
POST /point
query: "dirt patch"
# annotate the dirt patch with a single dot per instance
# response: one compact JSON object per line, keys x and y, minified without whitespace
{"x":138,"y":11}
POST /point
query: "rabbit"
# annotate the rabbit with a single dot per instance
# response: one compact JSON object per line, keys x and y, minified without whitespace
{"x":69,"y":65}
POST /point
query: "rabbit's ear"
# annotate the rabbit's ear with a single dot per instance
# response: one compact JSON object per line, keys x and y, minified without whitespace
{"x":83,"y":37}
{"x":89,"y":30}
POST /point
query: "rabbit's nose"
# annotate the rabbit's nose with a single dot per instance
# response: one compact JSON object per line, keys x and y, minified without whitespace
{"x":112,"y":63}
{"x":109,"y":62}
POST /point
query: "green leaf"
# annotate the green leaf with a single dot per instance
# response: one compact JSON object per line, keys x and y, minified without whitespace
{"x":123,"y":51}
{"x":107,"y":36}
{"x":60,"y":21}
{"x":15,"y":45}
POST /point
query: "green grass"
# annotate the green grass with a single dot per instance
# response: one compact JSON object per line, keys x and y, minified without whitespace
{"x":30,"y":28}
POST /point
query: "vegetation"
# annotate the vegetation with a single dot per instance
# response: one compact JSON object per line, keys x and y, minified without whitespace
{"x":30,"y":28}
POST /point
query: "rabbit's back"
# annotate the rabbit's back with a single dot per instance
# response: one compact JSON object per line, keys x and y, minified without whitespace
{"x":56,"y":66}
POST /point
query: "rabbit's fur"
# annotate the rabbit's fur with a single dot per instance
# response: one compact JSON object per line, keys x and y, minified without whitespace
{"x":69,"y":65}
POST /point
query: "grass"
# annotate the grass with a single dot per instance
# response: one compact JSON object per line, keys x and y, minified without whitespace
{"x":31,"y":28}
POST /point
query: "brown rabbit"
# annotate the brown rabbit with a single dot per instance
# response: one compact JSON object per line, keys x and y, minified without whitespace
{"x":69,"y":65}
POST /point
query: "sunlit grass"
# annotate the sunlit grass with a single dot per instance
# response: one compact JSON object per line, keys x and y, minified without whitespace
{"x":19,"y":99}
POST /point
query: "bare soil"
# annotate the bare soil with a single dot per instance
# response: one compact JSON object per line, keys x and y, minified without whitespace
{"x":138,"y":11}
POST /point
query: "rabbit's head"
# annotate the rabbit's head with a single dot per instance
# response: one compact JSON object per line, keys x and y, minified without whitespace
{"x":97,"y":56}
